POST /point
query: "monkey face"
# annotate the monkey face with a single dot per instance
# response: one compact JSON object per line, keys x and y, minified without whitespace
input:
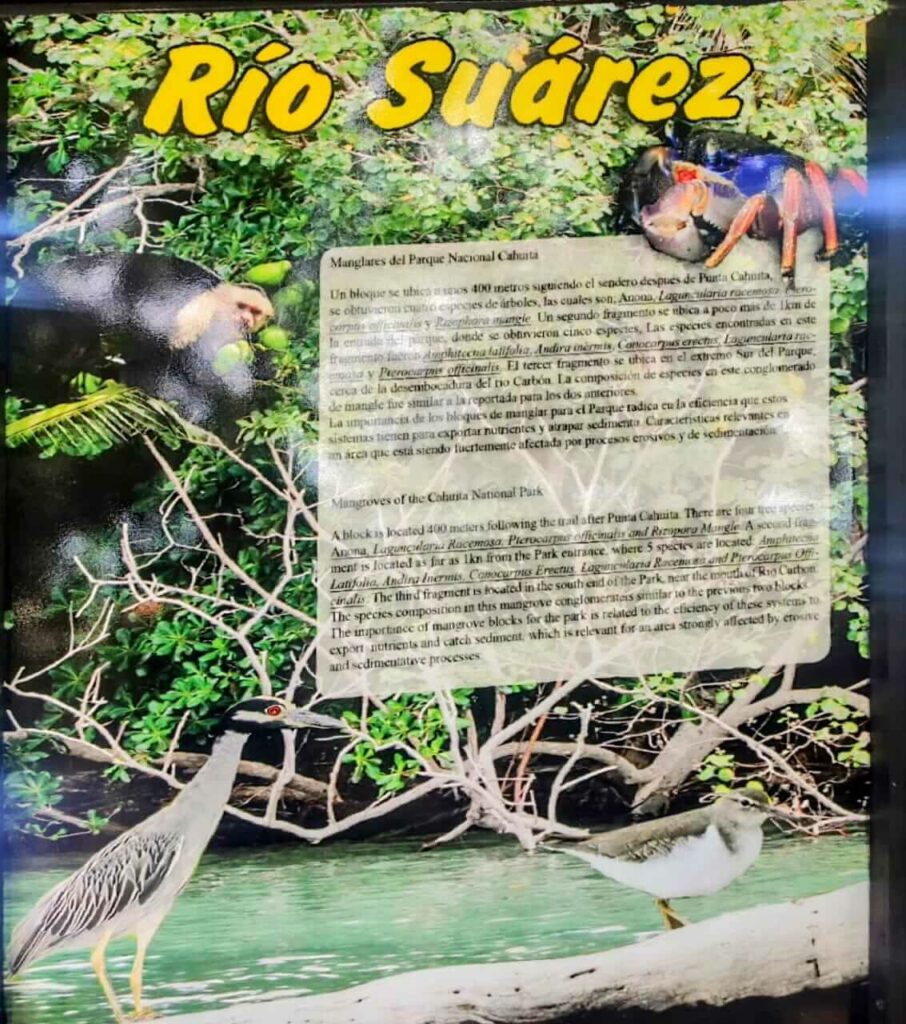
{"x":253,"y":307}
{"x":212,"y":320}
{"x":224,"y":313}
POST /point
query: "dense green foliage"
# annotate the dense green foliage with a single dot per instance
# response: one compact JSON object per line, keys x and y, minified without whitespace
{"x":76,"y":99}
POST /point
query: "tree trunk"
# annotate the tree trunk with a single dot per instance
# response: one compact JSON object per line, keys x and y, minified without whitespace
{"x":774,"y":951}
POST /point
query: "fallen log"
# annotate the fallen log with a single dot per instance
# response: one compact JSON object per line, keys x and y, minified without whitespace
{"x":774,"y":950}
{"x":302,"y":787}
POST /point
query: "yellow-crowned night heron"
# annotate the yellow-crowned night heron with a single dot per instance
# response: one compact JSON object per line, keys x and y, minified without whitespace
{"x":129,"y":886}
{"x":696,"y":853}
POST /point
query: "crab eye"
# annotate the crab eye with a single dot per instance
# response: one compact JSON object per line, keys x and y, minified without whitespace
{"x":274,"y":711}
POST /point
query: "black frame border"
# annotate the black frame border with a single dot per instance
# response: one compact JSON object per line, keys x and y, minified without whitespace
{"x":886,"y":551}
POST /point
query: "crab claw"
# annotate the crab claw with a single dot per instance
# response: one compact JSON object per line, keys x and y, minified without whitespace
{"x":691,"y":217}
{"x":650,"y":177}
{"x":669,"y":224}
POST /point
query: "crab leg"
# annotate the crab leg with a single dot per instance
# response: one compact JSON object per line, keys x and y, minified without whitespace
{"x":853,"y":179}
{"x":790,"y":210}
{"x":740,"y":225}
{"x":825,"y":201}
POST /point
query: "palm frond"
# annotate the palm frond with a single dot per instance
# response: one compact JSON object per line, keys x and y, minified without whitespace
{"x":112,"y":414}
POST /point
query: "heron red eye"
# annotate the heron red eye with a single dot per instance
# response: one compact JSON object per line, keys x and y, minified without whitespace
{"x":274,"y":710}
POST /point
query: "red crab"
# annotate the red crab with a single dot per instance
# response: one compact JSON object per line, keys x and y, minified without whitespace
{"x":695,"y":198}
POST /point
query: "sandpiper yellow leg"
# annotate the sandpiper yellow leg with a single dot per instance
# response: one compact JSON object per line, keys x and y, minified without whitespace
{"x":98,"y":962}
{"x":672,"y":920}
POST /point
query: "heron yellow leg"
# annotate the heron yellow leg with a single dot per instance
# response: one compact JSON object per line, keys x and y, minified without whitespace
{"x":142,"y":941}
{"x":672,"y":920}
{"x":99,"y":963}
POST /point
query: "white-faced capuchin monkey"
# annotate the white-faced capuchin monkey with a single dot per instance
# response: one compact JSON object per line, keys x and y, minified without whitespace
{"x":151,"y":321}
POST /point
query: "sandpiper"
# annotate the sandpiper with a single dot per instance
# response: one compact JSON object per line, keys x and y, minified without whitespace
{"x":696,"y":853}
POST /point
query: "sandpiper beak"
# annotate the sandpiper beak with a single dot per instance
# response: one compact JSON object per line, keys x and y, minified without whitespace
{"x":297,"y":718}
{"x":782,"y":813}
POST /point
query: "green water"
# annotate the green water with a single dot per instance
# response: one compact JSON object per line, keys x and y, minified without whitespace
{"x":290,"y":921}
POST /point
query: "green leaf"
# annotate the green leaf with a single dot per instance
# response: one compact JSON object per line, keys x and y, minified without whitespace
{"x":109,"y":415}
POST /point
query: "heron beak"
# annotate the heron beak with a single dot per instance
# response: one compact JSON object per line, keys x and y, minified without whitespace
{"x":297,"y":718}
